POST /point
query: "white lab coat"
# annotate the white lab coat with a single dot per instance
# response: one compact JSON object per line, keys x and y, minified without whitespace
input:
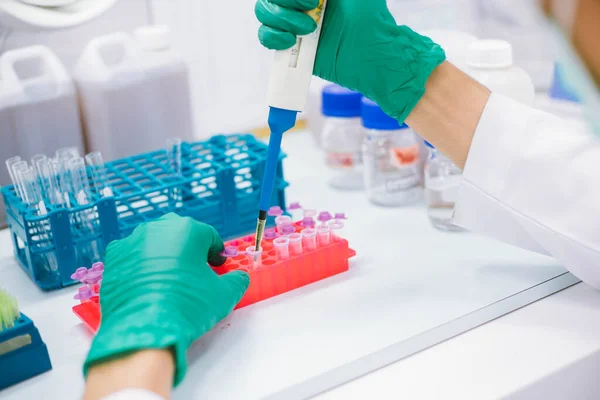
{"x":532,"y":180}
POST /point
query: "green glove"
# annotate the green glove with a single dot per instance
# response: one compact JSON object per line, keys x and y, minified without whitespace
{"x":158,"y":291}
{"x":361,"y":48}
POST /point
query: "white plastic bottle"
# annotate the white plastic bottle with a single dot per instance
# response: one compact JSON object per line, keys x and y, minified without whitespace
{"x":38,"y":106}
{"x":342,"y":137}
{"x":391,"y":159}
{"x":442,"y":181}
{"x":134,"y":93}
{"x":491,"y":63}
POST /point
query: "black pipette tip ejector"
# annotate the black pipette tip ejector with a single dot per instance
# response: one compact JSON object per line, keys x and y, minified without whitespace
{"x":260,"y":229}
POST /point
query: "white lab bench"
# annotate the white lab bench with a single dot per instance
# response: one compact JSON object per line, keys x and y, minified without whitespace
{"x":407,"y":281}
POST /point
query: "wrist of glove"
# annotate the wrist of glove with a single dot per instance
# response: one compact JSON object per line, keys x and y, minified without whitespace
{"x":361,"y":48}
{"x":159,"y":292}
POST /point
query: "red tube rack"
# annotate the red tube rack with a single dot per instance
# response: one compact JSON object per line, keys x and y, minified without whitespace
{"x":274,"y":278}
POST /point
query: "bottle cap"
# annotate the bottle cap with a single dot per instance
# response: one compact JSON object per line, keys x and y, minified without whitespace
{"x":490,"y":54}
{"x":373,"y":117}
{"x":153,"y":37}
{"x":295,"y":206}
{"x":275,"y":211}
{"x":340,"y":102}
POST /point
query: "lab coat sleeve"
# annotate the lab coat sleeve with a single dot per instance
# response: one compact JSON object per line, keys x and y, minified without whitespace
{"x":133,"y":394}
{"x":533,"y":180}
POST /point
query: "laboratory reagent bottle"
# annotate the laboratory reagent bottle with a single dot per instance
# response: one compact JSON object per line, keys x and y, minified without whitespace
{"x":342,"y":137}
{"x":442,"y":181}
{"x":391,"y":159}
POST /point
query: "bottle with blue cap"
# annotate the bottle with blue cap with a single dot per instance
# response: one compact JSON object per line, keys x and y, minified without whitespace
{"x":391,"y":157}
{"x":342,"y":137}
{"x":442,"y":181}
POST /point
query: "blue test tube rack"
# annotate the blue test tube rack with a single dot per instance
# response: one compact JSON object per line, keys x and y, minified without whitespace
{"x":219,"y":185}
{"x":23,"y":354}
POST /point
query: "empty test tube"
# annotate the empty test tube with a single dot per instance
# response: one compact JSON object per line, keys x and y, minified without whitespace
{"x":337,"y":228}
{"x":49,"y":180}
{"x":254,"y":257}
{"x":96,"y":163}
{"x":324,"y":235}
{"x":309,"y":239}
{"x":282,"y":248}
{"x":281,"y":221}
{"x":67,"y":153}
{"x":10,"y":163}
{"x":295,"y":244}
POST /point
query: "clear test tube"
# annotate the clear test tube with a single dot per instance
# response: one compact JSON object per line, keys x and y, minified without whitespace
{"x":80,"y":182}
{"x":36,"y":160}
{"x":281,"y":221}
{"x":309,"y":213}
{"x":66,"y":153}
{"x":295,"y":244}
{"x":324,"y":235}
{"x":282,"y":248}
{"x":96,"y":163}
{"x":10,"y":165}
{"x":49,"y":181}
{"x":337,"y":230}
{"x":174,"y":155}
{"x":254,"y":257}
{"x":309,"y":239}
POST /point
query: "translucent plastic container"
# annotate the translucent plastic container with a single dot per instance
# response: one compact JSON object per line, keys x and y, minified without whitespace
{"x":313,"y":112}
{"x":391,"y":159}
{"x":342,"y":137}
{"x":38,"y":107}
{"x":134,"y":93}
{"x":491,"y":63}
{"x":442,"y":181}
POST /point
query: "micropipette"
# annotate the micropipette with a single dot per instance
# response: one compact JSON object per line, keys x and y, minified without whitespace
{"x":288,"y":91}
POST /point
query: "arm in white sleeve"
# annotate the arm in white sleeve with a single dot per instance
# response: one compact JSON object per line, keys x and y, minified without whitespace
{"x":533,"y":180}
{"x":133,"y":394}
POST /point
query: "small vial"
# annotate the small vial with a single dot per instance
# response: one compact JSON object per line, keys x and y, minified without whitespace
{"x":324,"y":217}
{"x":323,"y":235}
{"x":281,"y":221}
{"x":295,"y":244}
{"x":308,"y":222}
{"x":309,"y":213}
{"x":282,"y":248}
{"x":295,"y":209}
{"x":230,"y":251}
{"x":337,"y":229}
{"x":442,"y":181}
{"x":79,"y":274}
{"x":254,"y":257}
{"x":391,"y":159}
{"x":275,"y":211}
{"x":99,"y":266}
{"x":342,"y":136}
{"x":270,"y":234}
{"x":84,"y":294}
{"x":309,"y":239}
{"x":287,"y":229}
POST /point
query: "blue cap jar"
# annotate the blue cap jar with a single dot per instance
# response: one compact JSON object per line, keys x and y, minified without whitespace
{"x":340,"y":102}
{"x":373,"y":117}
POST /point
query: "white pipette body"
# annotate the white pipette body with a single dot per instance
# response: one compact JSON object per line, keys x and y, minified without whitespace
{"x":293,"y":68}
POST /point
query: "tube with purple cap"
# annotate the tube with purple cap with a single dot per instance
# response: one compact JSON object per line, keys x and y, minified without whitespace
{"x":287,"y":229}
{"x":275,"y":211}
{"x":270,"y":235}
{"x":295,"y":210}
{"x":324,"y":217}
{"x":84,"y":294}
{"x":230,"y":251}
{"x":308,"y":222}
{"x":79,"y":274}
{"x":281,"y":221}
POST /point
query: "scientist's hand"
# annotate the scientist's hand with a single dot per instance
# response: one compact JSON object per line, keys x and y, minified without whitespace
{"x":361,"y":48}
{"x":158,"y":291}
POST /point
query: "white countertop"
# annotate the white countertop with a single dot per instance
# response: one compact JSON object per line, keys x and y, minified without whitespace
{"x":432,"y":278}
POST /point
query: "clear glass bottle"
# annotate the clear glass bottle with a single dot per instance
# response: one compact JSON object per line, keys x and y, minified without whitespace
{"x":442,"y":181}
{"x":391,"y":159}
{"x":342,"y":137}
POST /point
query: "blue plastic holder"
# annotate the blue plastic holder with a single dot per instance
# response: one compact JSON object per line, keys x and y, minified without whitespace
{"x":23,"y":354}
{"x":219,"y":185}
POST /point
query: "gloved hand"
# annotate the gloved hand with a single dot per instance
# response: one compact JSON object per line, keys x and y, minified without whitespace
{"x":159,"y":292}
{"x":361,"y":48}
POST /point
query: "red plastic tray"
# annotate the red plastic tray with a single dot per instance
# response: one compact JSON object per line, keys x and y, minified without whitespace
{"x":274,"y":278}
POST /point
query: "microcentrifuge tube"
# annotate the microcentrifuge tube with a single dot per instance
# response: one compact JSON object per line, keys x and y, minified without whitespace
{"x":324,"y":217}
{"x":281,"y":221}
{"x":295,"y":210}
{"x":308,"y":222}
{"x":275,"y":211}
{"x":270,"y":234}
{"x":282,"y":248}
{"x":337,"y":228}
{"x":287,"y":229}
{"x":254,"y":257}
{"x":324,"y":235}
{"x":309,"y":239}
{"x":295,"y":243}
{"x":309,"y":213}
